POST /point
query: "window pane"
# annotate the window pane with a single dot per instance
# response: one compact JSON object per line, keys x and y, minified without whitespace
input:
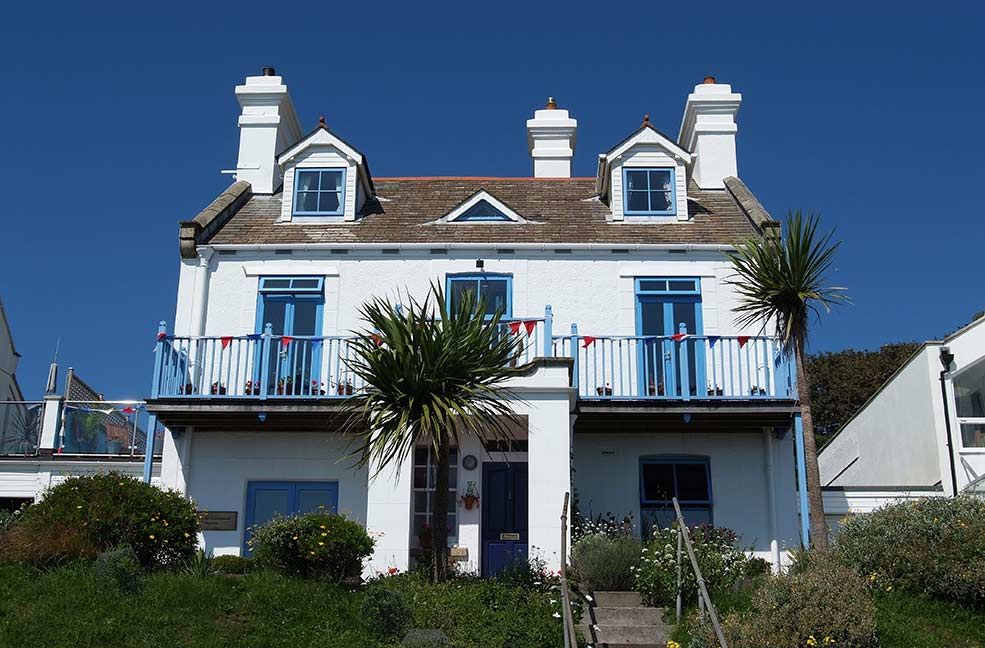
{"x":420,"y":456}
{"x":270,"y":502}
{"x":969,"y":392}
{"x":637,"y":201}
{"x":307,"y":180}
{"x":307,"y":202}
{"x":420,"y":502}
{"x":652,"y":284}
{"x":328,"y":202}
{"x":331,"y":180}
{"x":274,"y":313}
{"x":311,"y":500}
{"x":636,"y":180}
{"x":660,"y":180}
{"x":458,"y":289}
{"x":658,"y":482}
{"x":692,"y":482}
{"x":494,"y":292}
{"x":276,"y":283}
{"x":420,"y":522}
{"x":973,"y":435}
{"x":660,"y":201}
{"x":682,"y":285}
{"x":305,"y":283}
{"x":420,"y":477}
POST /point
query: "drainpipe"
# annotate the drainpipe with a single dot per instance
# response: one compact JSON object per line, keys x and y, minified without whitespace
{"x":946,"y":359}
{"x":771,"y":500}
{"x":200,"y":306}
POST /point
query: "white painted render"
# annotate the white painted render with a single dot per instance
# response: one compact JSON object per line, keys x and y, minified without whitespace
{"x":708,"y":131}
{"x":268,"y":124}
{"x":551,"y":140}
{"x":840,"y":503}
{"x":32,"y":477}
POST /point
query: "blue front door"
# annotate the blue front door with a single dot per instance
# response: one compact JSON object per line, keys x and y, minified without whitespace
{"x":504,"y":515}
{"x":266,"y":500}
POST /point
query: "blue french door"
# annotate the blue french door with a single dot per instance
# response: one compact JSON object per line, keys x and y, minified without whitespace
{"x":294,"y":366}
{"x":661,"y":310}
{"x":504,"y":515}
{"x":266,"y":500}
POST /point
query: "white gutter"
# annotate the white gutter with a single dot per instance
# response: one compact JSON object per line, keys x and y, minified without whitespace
{"x":632,"y":247}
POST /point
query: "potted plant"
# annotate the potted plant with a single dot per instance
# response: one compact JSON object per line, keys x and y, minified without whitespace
{"x":285,"y":386}
{"x":424,"y":536}
{"x":344,"y":388}
{"x":471,"y":497}
{"x":185,"y":389}
{"x":756,"y":390}
{"x":252,"y":388}
{"x":607,"y":390}
{"x":218,"y":389}
{"x":656,"y":390}
{"x":715,"y":391}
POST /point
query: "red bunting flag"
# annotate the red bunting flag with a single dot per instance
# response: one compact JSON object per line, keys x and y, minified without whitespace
{"x":286,"y":340}
{"x":742,"y":340}
{"x":127,"y":410}
{"x":677,"y":337}
{"x":529,"y":325}
{"x":226,"y":339}
{"x":161,"y":336}
{"x":587,"y":341}
{"x":376,"y":337}
{"x":515,"y":327}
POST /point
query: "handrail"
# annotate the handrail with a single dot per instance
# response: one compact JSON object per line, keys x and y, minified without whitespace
{"x":570,"y":637}
{"x":702,"y":590}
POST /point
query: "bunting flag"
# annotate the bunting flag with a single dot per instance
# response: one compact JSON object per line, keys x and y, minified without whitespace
{"x":529,"y":325}
{"x":677,"y":337}
{"x":285,"y":340}
{"x":587,"y":341}
{"x":377,"y":338}
{"x":742,"y":340}
{"x":226,"y":339}
{"x":161,"y":336}
{"x":712,"y":339}
{"x":253,"y":336}
{"x":127,"y":410}
{"x":515,"y":327}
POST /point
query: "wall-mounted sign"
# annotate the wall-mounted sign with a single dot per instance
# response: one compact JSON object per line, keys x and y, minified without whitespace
{"x":217,"y":520}
{"x":469,"y":462}
{"x":509,"y":536}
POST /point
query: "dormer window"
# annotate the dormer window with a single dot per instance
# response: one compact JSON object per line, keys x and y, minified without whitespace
{"x":482,"y":211}
{"x":319,"y":192}
{"x":649,"y":192}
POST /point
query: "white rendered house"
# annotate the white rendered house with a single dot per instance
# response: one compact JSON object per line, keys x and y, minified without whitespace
{"x":636,"y":385}
{"x":922,"y":434}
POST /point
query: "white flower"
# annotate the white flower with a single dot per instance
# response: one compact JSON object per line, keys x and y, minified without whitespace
{"x":553,"y":601}
{"x":556,"y":615}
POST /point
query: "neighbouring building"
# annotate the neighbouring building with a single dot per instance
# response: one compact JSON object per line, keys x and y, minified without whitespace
{"x":921,"y":434}
{"x":637,"y":386}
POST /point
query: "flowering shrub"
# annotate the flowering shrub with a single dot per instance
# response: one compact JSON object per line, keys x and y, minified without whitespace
{"x":935,"y":546}
{"x":322,"y":545}
{"x":531,"y":575}
{"x":824,"y":604}
{"x":606,"y":525}
{"x":85,"y":516}
{"x":600,"y":562}
{"x":721,"y":562}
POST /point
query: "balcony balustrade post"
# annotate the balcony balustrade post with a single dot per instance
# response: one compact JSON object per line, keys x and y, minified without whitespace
{"x":574,"y":356}
{"x":265,"y":360}
{"x":155,"y":387}
{"x":685,"y":369}
{"x":548,"y":331}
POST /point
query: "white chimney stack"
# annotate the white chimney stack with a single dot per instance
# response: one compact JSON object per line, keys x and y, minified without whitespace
{"x":268,"y":125}
{"x":708,"y":130}
{"x":551,"y":141}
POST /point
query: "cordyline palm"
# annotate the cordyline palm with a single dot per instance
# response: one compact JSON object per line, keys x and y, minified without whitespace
{"x":784,"y":281}
{"x":432,"y":375}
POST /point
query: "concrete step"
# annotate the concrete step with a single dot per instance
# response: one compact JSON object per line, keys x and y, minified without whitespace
{"x":628,"y":616}
{"x":639,"y":636}
{"x":617,"y":599}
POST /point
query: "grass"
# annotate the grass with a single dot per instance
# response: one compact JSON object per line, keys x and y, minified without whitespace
{"x":904,"y":620}
{"x":64,"y":608}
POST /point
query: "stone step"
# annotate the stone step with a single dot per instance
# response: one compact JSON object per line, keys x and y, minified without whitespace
{"x":617,"y":599}
{"x":632,"y":635}
{"x":628,"y":616}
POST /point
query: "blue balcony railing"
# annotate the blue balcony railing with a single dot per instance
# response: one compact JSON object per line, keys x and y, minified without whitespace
{"x":681,"y":367}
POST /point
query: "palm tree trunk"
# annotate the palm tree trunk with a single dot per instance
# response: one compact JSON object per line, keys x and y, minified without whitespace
{"x":439,"y":562}
{"x":819,"y":527}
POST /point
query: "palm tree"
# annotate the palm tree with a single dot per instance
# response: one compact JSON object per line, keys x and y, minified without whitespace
{"x":784,"y":281}
{"x":433,"y":373}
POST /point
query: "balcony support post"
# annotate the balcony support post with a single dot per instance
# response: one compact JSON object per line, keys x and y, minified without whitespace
{"x":805,"y":511}
{"x":685,"y":385}
{"x":574,"y":356}
{"x":548,"y":331}
{"x":265,"y":361}
{"x":149,"y":447}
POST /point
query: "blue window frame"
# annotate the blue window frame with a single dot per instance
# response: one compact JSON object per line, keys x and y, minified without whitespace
{"x":293,"y":306}
{"x":495,"y":289}
{"x":268,"y":499}
{"x":482,"y":211}
{"x":319,"y":192}
{"x":662,"y":305}
{"x":649,"y":191}
{"x":686,"y":477}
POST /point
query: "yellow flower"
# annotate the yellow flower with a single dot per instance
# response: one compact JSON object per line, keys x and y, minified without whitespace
{"x":324,"y":534}
{"x":79,"y":506}
{"x":151,"y":536}
{"x":187,"y":535}
{"x":294,"y":538}
{"x":872,"y":577}
{"x":321,"y":544}
{"x":323,"y":526}
{"x":889,"y":588}
{"x":811,"y":641}
{"x":673,"y":644}
{"x":828,"y":640}
{"x":312,"y":553}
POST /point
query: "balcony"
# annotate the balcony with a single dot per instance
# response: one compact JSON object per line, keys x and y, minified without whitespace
{"x":679,"y":368}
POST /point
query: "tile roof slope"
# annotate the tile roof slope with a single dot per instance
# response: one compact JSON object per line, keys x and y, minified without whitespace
{"x":563,"y":211}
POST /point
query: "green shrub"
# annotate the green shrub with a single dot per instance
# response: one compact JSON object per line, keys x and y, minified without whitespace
{"x":119,"y":571}
{"x":531,"y":575}
{"x":386,"y":612}
{"x":601,"y":562}
{"x":755,"y":567}
{"x":320,"y":545}
{"x":200,"y":564}
{"x":721,"y":562}
{"x":84,"y":516}
{"x":825,"y":604}
{"x":934,"y":546}
{"x":232,"y":564}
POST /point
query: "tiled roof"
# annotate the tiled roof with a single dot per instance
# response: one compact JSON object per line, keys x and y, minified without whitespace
{"x":561,"y":210}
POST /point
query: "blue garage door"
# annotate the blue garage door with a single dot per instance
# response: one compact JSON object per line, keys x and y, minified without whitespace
{"x":266,"y":500}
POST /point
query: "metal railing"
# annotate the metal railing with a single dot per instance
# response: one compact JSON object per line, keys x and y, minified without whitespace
{"x":567,"y":615}
{"x":704,"y":600}
{"x":112,"y":428}
{"x":20,"y":427}
{"x":678,"y":367}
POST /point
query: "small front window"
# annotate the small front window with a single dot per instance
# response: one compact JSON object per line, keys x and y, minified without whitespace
{"x":494,"y":290}
{"x":649,"y":192}
{"x":319,"y":192}
{"x":686,"y":478}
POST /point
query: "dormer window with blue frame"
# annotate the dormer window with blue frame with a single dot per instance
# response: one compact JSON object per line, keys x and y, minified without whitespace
{"x":495,"y":290}
{"x":319,"y":192}
{"x":482,"y":211}
{"x":649,"y":192}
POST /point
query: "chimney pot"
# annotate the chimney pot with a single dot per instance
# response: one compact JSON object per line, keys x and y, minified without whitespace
{"x":551,"y":104}
{"x":268,"y":71}
{"x":709,"y":80}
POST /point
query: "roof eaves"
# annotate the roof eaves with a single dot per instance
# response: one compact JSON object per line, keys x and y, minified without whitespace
{"x":201,"y":228}
{"x":671,"y":142}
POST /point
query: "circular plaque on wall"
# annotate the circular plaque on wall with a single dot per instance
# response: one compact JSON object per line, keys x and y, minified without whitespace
{"x":469,"y":462}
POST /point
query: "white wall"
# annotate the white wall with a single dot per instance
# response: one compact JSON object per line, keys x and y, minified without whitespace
{"x":607,"y":478}
{"x":839,"y":503}
{"x":222,"y":463}
{"x":31,"y":477}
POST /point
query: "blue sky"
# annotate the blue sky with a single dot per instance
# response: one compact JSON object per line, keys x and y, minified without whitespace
{"x":116,"y":119}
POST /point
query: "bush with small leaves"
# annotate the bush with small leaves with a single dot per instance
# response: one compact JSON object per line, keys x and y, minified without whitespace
{"x":601,"y":562}
{"x":386,"y":612}
{"x":119,"y":571}
{"x":318,"y":545}
{"x":425,"y":639}
{"x":233,"y":565}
